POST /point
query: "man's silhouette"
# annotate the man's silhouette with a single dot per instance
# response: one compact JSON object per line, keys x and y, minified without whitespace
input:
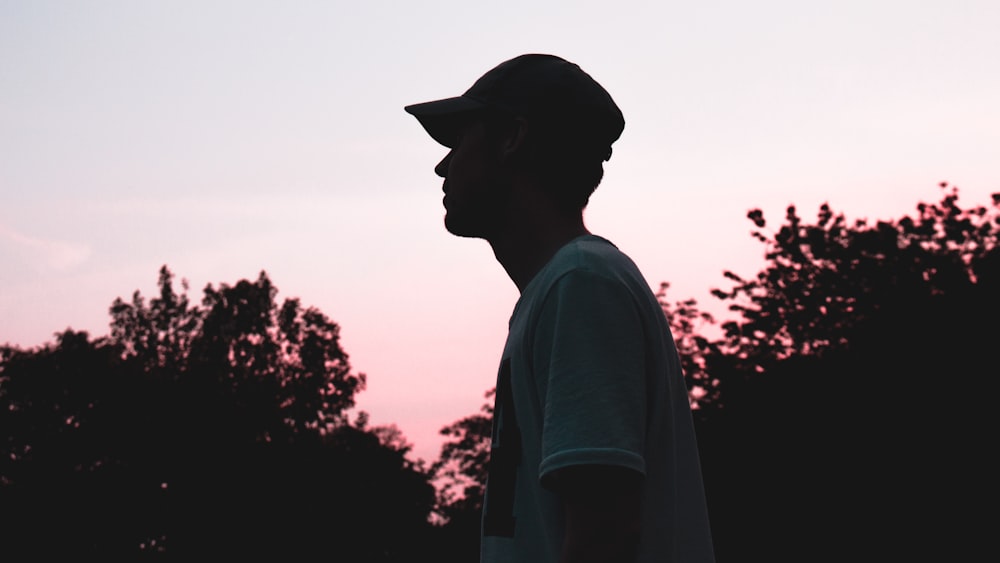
{"x":593,"y":451}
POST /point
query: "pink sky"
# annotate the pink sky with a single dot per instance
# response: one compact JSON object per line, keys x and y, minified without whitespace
{"x":223,"y":138}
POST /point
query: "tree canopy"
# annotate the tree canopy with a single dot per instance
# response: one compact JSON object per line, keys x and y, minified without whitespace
{"x":222,"y":428}
{"x":824,"y":280}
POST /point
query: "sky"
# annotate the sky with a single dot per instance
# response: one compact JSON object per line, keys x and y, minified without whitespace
{"x":225,"y":138}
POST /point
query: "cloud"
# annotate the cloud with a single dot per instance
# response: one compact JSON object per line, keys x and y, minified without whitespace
{"x":22,"y":250}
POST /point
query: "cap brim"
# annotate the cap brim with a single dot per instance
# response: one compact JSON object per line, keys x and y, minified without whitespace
{"x":442,"y":118}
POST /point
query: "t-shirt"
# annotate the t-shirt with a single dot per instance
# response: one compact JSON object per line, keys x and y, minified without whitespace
{"x":590,"y":375}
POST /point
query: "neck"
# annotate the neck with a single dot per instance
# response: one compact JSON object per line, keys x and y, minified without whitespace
{"x":523,"y":249}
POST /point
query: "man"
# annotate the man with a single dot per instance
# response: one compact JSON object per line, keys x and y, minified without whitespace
{"x":593,"y":455}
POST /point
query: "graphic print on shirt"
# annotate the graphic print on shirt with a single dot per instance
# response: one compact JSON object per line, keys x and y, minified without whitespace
{"x":505,"y":457}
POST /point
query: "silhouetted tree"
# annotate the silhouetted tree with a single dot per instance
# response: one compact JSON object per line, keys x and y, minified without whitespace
{"x":855,"y":389}
{"x":220,"y":429}
{"x":823,"y":280}
{"x":460,"y":477}
{"x":696,"y":351}
{"x":283,"y":365}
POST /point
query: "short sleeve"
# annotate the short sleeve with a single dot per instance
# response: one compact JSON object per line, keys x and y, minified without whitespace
{"x":589,"y":362}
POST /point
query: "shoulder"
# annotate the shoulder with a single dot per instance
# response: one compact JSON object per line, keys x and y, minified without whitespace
{"x":587,"y":269}
{"x":594,"y":262}
{"x":587,"y":256}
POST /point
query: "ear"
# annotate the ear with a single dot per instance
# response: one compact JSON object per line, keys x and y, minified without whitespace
{"x":514,"y":141}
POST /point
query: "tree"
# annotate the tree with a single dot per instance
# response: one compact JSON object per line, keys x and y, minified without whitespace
{"x":219,"y":429}
{"x":695,"y":350}
{"x":825,"y":279}
{"x":460,"y":477}
{"x":284,"y":364}
{"x":855,"y":389}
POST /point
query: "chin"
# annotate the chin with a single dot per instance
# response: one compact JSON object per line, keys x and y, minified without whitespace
{"x":464,"y":229}
{"x":457,"y":230}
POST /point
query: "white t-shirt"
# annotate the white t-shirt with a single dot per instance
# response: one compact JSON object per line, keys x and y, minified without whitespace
{"x":590,"y":375}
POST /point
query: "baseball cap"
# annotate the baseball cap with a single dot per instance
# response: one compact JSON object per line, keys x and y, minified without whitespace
{"x":545,"y":89}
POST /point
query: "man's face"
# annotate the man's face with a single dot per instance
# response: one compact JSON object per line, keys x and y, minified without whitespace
{"x":475,"y":198}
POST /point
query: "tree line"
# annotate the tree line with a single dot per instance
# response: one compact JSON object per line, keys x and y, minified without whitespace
{"x":845,"y":414}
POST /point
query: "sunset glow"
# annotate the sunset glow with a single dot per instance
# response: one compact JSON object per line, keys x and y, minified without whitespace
{"x":226,"y":138}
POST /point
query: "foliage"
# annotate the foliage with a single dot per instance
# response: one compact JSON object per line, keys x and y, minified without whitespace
{"x":283,"y":365}
{"x":459,"y":475}
{"x":220,"y":429}
{"x":461,"y":469}
{"x":695,"y":350}
{"x":825,"y":279}
{"x":856,"y":390}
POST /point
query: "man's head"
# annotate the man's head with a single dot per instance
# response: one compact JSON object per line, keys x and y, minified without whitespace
{"x":561,"y":122}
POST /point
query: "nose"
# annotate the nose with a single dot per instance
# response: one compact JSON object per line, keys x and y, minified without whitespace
{"x":442,"y":167}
